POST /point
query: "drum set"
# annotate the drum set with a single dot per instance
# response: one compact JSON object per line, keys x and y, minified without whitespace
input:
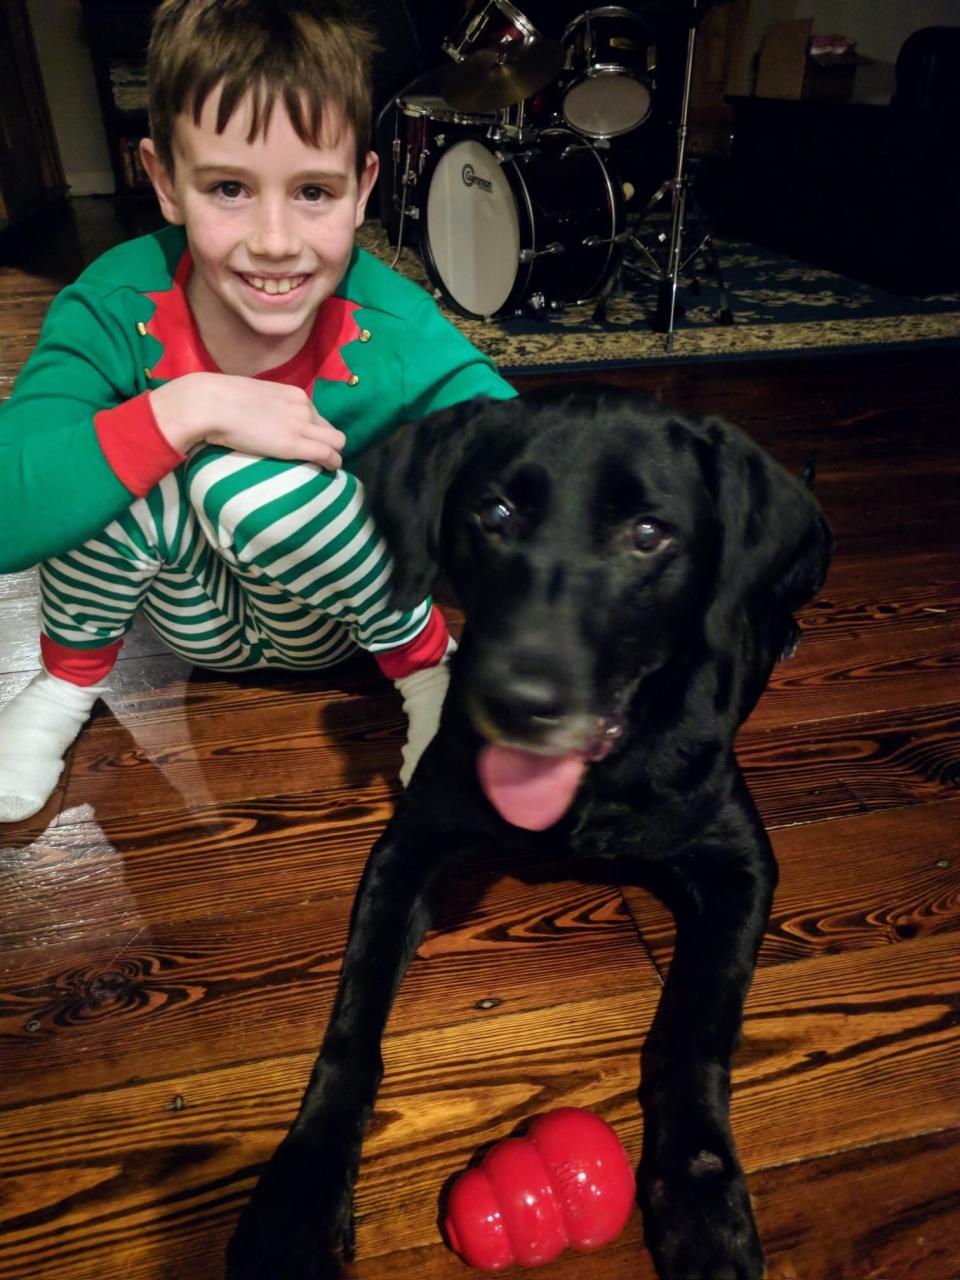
{"x":508,"y":181}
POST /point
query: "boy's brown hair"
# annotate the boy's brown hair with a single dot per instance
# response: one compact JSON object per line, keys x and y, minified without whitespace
{"x":307,"y":53}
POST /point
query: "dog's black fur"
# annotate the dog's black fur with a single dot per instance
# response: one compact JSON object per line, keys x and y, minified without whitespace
{"x":628,"y":576}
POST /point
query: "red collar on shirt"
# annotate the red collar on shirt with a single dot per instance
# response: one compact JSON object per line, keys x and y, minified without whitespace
{"x":319,"y":359}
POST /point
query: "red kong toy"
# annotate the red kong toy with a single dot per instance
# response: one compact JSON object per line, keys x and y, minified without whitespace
{"x":568,"y":1182}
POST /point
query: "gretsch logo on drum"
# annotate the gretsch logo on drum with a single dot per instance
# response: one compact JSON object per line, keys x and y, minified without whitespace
{"x":472,"y":179}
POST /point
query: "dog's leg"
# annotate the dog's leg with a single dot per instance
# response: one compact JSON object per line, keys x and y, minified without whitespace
{"x":697,"y":1213}
{"x":299,"y":1222}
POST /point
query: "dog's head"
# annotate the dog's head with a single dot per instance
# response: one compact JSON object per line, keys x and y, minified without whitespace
{"x":593,"y":541}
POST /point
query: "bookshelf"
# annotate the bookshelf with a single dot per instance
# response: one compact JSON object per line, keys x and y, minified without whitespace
{"x":118,"y":32}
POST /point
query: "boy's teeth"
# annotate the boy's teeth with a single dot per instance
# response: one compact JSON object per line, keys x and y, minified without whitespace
{"x":276,"y":286}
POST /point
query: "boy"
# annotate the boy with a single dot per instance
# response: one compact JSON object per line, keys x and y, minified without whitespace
{"x":171,"y":441}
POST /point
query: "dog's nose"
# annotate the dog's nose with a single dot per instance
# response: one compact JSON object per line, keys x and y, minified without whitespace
{"x":519,"y":699}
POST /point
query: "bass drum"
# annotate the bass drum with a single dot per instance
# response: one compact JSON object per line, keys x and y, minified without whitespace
{"x":535,"y":231}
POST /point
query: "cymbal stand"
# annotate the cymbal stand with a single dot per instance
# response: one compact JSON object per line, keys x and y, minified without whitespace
{"x":680,"y":188}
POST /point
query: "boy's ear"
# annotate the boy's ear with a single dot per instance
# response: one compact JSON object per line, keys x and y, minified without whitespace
{"x":162,"y":181}
{"x":365,"y":185}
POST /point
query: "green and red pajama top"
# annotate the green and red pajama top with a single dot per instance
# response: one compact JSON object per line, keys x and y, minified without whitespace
{"x":78,"y":439}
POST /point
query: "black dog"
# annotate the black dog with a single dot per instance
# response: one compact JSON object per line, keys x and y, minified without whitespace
{"x":628,"y":578}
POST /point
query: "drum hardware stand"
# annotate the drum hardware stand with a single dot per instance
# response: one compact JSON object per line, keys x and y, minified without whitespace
{"x":413,"y":214}
{"x":680,"y":187}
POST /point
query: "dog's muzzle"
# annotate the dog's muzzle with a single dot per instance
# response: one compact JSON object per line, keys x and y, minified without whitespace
{"x":531,"y":779}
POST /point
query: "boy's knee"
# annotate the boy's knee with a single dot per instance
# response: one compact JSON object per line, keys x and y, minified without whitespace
{"x":244,"y":503}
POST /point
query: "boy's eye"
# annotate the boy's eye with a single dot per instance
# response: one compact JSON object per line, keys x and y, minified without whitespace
{"x":313,"y":194}
{"x":229,"y":190}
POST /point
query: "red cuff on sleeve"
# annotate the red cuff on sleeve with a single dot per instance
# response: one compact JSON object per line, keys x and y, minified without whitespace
{"x":138,"y":452}
{"x":78,"y":666}
{"x":424,"y":650}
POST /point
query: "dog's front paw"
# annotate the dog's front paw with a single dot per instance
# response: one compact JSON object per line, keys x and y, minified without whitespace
{"x":298,"y":1224}
{"x":698,"y":1221}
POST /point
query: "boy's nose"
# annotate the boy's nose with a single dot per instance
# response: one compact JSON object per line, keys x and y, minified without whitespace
{"x":272,"y":235}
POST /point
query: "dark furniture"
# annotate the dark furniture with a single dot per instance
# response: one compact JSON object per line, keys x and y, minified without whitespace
{"x":869,"y":191}
{"x":118,"y":32}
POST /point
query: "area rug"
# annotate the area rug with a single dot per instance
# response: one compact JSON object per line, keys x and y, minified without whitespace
{"x":781,"y":307}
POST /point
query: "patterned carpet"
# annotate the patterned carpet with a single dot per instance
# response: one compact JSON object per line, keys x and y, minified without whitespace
{"x":781,"y":307}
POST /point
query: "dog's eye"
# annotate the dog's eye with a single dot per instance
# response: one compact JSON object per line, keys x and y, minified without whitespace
{"x":649,"y":536}
{"x":497,"y":516}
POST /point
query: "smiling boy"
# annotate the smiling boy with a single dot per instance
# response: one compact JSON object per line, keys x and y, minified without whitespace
{"x":175,"y":442}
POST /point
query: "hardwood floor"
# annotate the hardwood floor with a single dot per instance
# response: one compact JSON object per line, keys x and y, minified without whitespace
{"x":173,"y":921}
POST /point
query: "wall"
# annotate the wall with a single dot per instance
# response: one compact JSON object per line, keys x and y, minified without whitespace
{"x":878,"y":26}
{"x":71,"y":93}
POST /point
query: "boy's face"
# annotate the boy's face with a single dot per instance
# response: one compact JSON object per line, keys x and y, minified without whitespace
{"x":270,"y":224}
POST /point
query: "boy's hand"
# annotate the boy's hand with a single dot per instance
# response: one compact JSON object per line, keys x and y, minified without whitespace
{"x":266,"y":419}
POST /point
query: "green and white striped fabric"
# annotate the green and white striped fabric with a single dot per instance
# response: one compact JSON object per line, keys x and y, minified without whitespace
{"x":237,"y":562}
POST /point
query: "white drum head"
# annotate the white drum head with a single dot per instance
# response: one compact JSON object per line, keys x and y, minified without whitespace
{"x":603,"y":106}
{"x":472,"y":230}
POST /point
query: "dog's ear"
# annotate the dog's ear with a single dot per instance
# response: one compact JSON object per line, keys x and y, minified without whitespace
{"x":406,"y":481}
{"x":775,"y":538}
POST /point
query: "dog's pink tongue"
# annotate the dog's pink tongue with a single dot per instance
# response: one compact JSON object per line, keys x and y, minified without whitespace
{"x":528,"y":790}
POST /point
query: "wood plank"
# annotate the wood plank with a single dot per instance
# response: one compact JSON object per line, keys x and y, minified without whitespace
{"x":897,"y":593}
{"x":875,"y":672}
{"x":84,"y":879}
{"x":163,"y":1000}
{"x":169,"y":738}
{"x":278,"y":850}
{"x":214,"y":741}
{"x":187,"y":738}
{"x":19,"y":586}
{"x":20,"y":635}
{"x":887,"y":1211}
{"x":862,"y":1046}
{"x":856,"y":764}
{"x":853,"y":884}
{"x":889,"y":405}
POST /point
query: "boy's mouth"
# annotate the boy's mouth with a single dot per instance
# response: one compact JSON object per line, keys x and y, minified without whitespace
{"x":273,"y":286}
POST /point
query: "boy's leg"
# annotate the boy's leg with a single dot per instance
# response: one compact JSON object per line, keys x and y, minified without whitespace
{"x":88,"y":599}
{"x":155,"y":555}
{"x":301,"y":542}
{"x":36,"y":730}
{"x":299,"y":577}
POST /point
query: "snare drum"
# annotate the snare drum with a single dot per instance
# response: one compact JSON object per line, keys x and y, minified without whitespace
{"x":536,"y":231}
{"x":423,"y":125}
{"x":611,"y":59}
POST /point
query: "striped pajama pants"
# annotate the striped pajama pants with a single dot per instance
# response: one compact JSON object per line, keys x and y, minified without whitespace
{"x":237,"y":562}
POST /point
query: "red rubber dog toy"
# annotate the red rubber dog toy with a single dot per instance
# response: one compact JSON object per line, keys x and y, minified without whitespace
{"x":568,"y":1182}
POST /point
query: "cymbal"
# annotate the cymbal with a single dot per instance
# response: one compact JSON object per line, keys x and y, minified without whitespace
{"x":492,"y":79}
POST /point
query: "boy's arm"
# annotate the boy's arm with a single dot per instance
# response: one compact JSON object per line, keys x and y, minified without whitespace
{"x":78,"y":439}
{"x":442,"y":368}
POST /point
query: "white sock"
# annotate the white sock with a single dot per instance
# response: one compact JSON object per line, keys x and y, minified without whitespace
{"x":36,"y":729}
{"x":423,"y":693}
